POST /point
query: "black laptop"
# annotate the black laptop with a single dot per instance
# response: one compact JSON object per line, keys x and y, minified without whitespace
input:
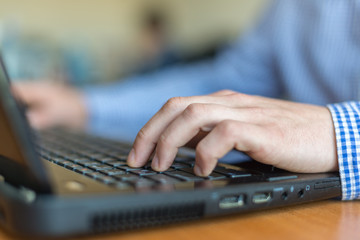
{"x":61,"y":183}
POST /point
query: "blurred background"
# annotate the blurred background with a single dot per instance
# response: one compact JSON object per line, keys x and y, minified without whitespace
{"x":88,"y":41}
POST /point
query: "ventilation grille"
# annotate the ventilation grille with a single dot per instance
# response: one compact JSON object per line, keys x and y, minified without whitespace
{"x":126,"y":220}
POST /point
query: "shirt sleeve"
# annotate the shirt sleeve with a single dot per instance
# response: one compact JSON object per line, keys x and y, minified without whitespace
{"x":120,"y":109}
{"x":346,"y":118}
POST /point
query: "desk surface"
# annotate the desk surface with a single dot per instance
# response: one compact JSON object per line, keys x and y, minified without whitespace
{"x":321,"y":220}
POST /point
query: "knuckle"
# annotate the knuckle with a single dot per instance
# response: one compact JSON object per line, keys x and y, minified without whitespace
{"x":227,"y":128}
{"x":142,"y":135}
{"x":164,"y":142}
{"x":194,"y":110}
{"x":174,"y":103}
{"x":257,"y":111}
{"x":239,"y":96}
{"x":245,"y":98}
{"x":226,"y":92}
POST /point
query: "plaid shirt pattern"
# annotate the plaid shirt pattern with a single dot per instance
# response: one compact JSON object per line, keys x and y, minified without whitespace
{"x":346,"y":118}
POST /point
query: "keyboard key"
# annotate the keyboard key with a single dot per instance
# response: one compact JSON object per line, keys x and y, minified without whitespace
{"x":216,"y":176}
{"x":188,"y":161}
{"x":70,"y":157}
{"x":147,"y":165}
{"x":184,"y":176}
{"x":179,"y":165}
{"x":112,"y":172}
{"x":105,"y":159}
{"x":74,"y":166}
{"x":64,"y":163}
{"x":80,"y":159}
{"x":121,"y":185}
{"x":100,"y":167}
{"x":143,"y":172}
{"x":89,"y":163}
{"x":106,"y":179}
{"x":57,"y":153}
{"x":85,"y":153}
{"x":127,"y":168}
{"x":139,"y":181}
{"x":96,"y":156}
{"x":126,"y":176}
{"x":116,"y":163}
{"x":84,"y":170}
{"x":117,"y":155}
{"x":231,"y":172}
{"x":212,"y":176}
{"x":163,"y":179}
{"x":95,"y":175}
{"x":56,"y":159}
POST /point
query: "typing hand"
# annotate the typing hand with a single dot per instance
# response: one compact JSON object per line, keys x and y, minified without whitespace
{"x":293,"y":136}
{"x":51,"y":105}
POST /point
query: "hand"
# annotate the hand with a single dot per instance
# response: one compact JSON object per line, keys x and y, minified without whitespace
{"x":51,"y":105}
{"x":292,"y":136}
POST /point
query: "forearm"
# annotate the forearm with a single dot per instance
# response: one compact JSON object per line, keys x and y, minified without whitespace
{"x":121,"y":109}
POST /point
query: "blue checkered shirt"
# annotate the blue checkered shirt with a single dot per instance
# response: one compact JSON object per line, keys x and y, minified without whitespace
{"x":302,"y":50}
{"x":346,"y":118}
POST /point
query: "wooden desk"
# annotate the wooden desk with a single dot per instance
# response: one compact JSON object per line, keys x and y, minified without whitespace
{"x":322,"y":220}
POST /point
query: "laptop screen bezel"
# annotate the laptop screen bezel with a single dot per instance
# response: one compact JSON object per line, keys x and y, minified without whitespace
{"x":30,"y":172}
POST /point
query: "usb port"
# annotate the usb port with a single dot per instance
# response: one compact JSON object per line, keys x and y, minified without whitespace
{"x":263,"y":197}
{"x":231,"y":201}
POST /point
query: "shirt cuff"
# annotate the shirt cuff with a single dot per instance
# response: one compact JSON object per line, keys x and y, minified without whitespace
{"x":346,"y":119}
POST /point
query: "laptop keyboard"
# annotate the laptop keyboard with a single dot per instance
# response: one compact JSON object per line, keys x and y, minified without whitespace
{"x":105,"y":161}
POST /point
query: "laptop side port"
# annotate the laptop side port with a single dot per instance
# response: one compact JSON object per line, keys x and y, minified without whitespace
{"x":232,"y":201}
{"x":262,"y":197}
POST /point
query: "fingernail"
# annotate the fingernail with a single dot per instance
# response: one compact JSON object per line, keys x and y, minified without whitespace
{"x":198,"y":171}
{"x":131,"y":157}
{"x":155,"y":163}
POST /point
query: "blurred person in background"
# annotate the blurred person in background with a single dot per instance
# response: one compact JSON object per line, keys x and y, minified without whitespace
{"x":307,"y":52}
{"x":155,"y":50}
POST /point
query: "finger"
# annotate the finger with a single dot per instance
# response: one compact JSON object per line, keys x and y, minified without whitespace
{"x":226,"y":136}
{"x":38,"y":119}
{"x":195,"y":118}
{"x":195,"y":140}
{"x":148,"y":136}
{"x":30,"y":93}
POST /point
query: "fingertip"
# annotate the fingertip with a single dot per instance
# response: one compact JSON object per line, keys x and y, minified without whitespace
{"x":131,"y":161}
{"x":36,"y":120}
{"x":160,"y":165}
{"x":155,"y":164}
{"x":204,"y":165}
{"x":198,"y":171}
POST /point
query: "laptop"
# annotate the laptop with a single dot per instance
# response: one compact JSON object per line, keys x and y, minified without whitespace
{"x":64,"y":183}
